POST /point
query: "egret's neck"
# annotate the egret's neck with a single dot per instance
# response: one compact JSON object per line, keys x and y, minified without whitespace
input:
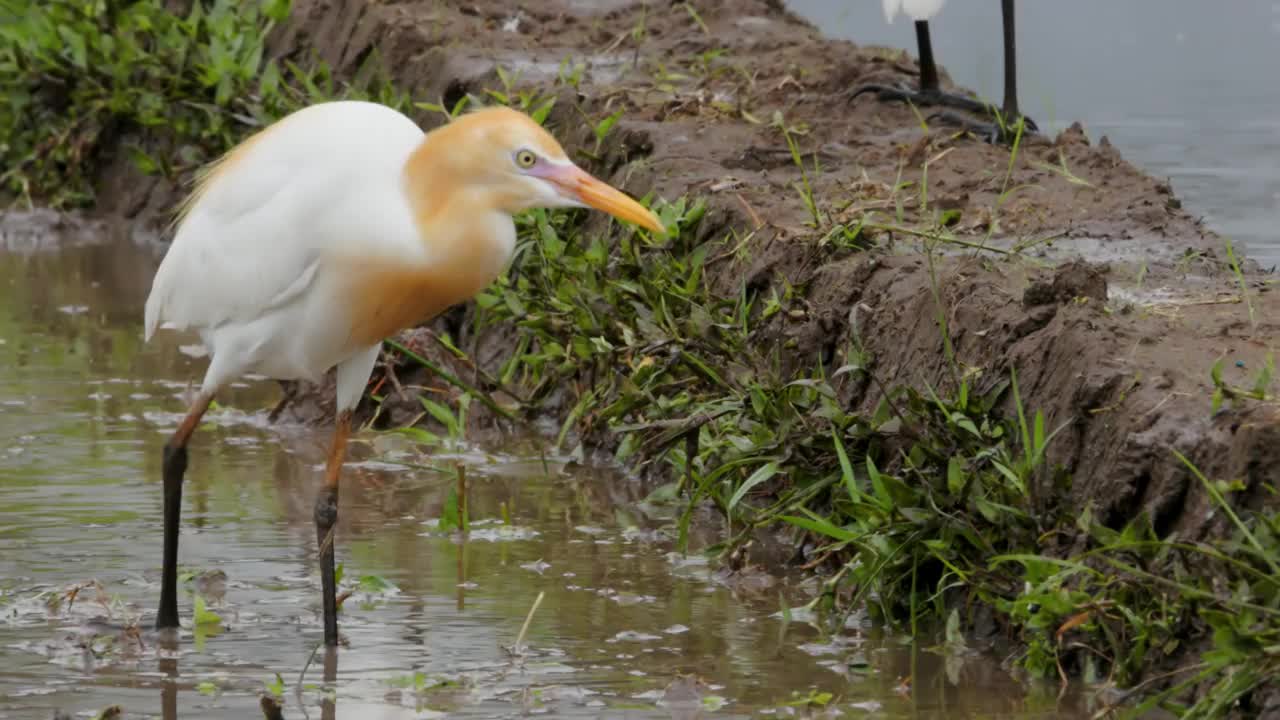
{"x":440,"y":184}
{"x":463,"y":231}
{"x":465,"y":238}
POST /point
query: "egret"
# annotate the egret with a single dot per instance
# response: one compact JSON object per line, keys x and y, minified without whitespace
{"x":930,"y":92}
{"x":311,"y":241}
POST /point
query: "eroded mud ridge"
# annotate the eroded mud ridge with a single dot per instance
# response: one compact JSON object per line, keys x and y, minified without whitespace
{"x":1083,"y":275}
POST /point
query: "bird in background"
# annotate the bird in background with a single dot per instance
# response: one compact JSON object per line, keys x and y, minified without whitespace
{"x":331,"y":229}
{"x":929,"y":92}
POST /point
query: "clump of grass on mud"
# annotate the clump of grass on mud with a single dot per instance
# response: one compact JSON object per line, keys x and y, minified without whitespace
{"x":78,"y":76}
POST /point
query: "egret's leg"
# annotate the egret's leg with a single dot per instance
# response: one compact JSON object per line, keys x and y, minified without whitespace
{"x":1010,"y":108}
{"x":168,"y":666}
{"x":930,"y":90}
{"x":174,"y":467}
{"x":1002,"y":128}
{"x":923,"y":98}
{"x":930,"y":93}
{"x":329,"y":706}
{"x":928,"y":68}
{"x":326,"y":515}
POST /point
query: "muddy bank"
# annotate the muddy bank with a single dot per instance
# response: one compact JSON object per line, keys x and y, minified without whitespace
{"x":1116,"y":347}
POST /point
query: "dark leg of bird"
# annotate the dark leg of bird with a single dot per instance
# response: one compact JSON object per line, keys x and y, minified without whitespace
{"x":326,"y":515}
{"x":174,"y":467}
{"x":1001,"y":129}
{"x":1010,"y":64}
{"x":169,"y":690}
{"x":329,"y":706}
{"x":1010,"y":109}
{"x":930,"y":90}
{"x":928,"y":68}
{"x":928,"y":80}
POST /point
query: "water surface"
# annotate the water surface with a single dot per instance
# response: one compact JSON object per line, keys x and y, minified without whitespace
{"x":627,"y":627}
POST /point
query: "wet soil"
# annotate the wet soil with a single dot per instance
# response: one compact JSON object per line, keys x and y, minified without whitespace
{"x":1112,"y":311}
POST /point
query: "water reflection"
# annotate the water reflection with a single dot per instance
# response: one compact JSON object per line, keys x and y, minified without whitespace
{"x":627,"y":628}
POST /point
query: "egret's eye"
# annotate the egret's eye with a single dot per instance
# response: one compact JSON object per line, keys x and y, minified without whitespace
{"x":525,"y":159}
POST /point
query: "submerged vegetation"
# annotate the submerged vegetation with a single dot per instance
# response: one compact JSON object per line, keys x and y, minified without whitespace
{"x":934,"y":506}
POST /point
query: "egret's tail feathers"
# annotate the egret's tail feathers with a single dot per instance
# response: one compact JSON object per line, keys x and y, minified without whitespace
{"x":199,"y":185}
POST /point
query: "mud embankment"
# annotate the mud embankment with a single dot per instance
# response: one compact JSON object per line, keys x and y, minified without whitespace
{"x":1116,"y":346}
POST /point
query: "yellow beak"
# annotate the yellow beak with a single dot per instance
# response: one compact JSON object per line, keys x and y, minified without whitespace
{"x":601,"y":196}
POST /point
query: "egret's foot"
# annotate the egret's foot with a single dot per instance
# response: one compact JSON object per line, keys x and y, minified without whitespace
{"x":326,"y":516}
{"x":992,"y":132}
{"x":923,"y":98}
{"x":174,"y":467}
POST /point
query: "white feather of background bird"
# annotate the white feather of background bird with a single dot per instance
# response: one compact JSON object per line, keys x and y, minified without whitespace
{"x":915,"y":9}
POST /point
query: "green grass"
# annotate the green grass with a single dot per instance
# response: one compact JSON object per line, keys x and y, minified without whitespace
{"x":1234,"y":263}
{"x":84,"y":79}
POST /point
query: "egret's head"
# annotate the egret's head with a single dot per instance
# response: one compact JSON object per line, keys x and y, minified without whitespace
{"x":503,"y":155}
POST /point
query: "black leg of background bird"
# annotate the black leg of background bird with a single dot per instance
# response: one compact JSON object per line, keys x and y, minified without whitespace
{"x":930,"y":92}
{"x":326,"y":516}
{"x":174,"y":467}
{"x":928,"y":80}
{"x":1010,"y":53}
{"x":1002,"y":129}
{"x":928,"y":68}
{"x":1010,"y":110}
{"x":990,"y":132}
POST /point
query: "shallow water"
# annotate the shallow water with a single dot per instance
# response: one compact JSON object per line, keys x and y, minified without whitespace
{"x":1184,"y":88}
{"x":84,"y":409}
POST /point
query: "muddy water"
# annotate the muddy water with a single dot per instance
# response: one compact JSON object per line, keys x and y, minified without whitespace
{"x":1185,"y":89}
{"x":627,"y":628}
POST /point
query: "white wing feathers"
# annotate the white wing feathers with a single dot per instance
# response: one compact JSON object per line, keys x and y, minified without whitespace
{"x":254,"y":240}
{"x":231,"y":260}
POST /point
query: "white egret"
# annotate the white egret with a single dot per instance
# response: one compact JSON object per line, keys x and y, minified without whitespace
{"x":311,"y":241}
